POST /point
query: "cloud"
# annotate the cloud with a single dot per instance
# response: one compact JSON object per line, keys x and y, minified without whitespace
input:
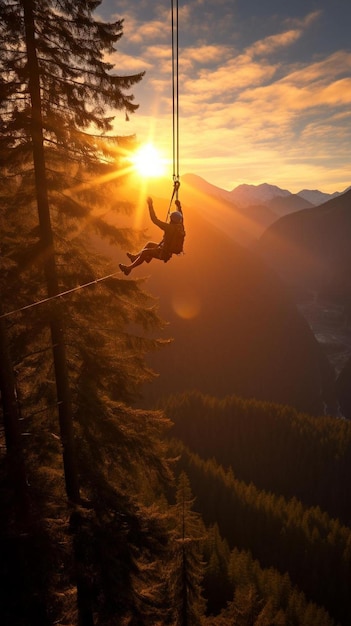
{"x":144,"y":32}
{"x":320,"y":84}
{"x":271,"y":44}
{"x":306,"y":21}
{"x":323,"y":72}
{"x":241,"y":71}
{"x":204,"y":54}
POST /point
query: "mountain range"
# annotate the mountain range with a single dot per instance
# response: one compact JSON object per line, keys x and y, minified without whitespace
{"x":248,"y":210}
{"x":248,"y":195}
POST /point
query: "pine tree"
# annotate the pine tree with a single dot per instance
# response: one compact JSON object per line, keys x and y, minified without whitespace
{"x":217,"y":588}
{"x":17,"y":478}
{"x":188,"y":569}
{"x":63,"y":85}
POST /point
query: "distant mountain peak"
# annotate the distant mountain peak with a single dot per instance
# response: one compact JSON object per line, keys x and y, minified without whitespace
{"x":247,"y":195}
{"x":316,"y":197}
{"x":264,"y":188}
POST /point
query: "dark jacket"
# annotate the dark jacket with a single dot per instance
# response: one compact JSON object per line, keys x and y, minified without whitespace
{"x":172,"y":232}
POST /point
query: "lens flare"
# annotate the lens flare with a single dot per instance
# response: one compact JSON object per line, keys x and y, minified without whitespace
{"x":186,"y":305}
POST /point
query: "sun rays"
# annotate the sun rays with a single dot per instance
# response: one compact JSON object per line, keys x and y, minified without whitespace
{"x":148,"y":162}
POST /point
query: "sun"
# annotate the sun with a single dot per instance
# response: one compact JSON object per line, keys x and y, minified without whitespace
{"x":148,"y":162}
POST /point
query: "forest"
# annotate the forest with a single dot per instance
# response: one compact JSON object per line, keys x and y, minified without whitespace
{"x":274,"y":482}
{"x":196,"y":511}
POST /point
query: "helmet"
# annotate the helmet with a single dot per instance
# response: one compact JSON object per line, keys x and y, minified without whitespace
{"x":176,"y":217}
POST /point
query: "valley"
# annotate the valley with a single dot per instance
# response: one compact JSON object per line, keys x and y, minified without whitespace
{"x":331,"y":327}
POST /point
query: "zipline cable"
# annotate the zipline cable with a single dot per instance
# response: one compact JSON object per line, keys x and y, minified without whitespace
{"x":58,"y":295}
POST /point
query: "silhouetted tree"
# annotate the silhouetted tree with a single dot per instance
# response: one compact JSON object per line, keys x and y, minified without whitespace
{"x":55,"y":85}
{"x":60,"y":163}
{"x":217,"y":588}
{"x":187,"y":572}
{"x":16,"y":477}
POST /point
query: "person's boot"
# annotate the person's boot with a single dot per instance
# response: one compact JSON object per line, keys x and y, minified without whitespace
{"x":126,"y":270}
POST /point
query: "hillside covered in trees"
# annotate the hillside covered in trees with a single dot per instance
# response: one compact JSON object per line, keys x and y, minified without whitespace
{"x":196,"y":511}
{"x":275,"y":482}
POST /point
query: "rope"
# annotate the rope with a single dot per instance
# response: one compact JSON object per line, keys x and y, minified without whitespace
{"x":174,"y":193}
{"x":175,"y":87}
{"x":175,"y":99}
{"x":58,"y":295}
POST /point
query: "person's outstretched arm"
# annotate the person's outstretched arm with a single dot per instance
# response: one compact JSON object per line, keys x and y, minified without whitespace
{"x":153,"y":215}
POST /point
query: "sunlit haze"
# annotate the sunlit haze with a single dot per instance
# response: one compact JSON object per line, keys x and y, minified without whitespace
{"x":265,"y":88}
{"x":148,"y":162}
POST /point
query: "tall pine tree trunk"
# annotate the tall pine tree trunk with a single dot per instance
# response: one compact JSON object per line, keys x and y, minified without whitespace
{"x":47,"y":244}
{"x":184,"y":611}
{"x":16,"y":465}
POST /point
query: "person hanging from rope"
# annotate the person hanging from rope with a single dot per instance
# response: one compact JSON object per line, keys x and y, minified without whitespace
{"x":174,"y":233}
{"x":172,"y":242}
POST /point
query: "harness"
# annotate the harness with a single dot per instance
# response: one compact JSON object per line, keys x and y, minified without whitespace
{"x":173,"y":241}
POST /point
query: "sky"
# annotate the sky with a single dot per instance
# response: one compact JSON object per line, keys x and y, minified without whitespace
{"x":264,"y":88}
